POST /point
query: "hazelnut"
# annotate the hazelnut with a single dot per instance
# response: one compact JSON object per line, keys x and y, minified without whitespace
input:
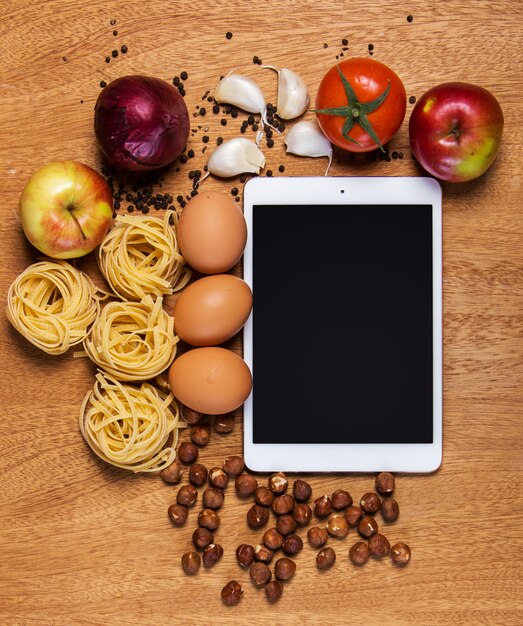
{"x":284,"y":569}
{"x":390,"y":510}
{"x":370,"y":502}
{"x":260,"y":574}
{"x":202,"y":537}
{"x":367,"y":526}
{"x":292,"y":544}
{"x":197,"y":474}
{"x":233,"y":465}
{"x":283,"y":504}
{"x":177,"y":514}
{"x":212,"y":554}
{"x":325,"y":558}
{"x":257,"y":516}
{"x":379,"y":545}
{"x":317,"y":536}
{"x":245,"y":485}
{"x":273,"y":591}
{"x":191,"y":562}
{"x":212,"y":498}
{"x":359,"y":553}
{"x":385,"y":483}
{"x":353,"y":515}
{"x":302,"y":513}
{"x":186,"y":495}
{"x":400,"y":553}
{"x":232,"y":593}
{"x":263,"y":554}
{"x":207,"y":518}
{"x":278,"y":482}
{"x":200,"y":434}
{"x":341,"y":499}
{"x":224,"y":424}
{"x":273,"y":539}
{"x":218,"y":478}
{"x":245,"y":554}
{"x":187,"y":452}
{"x":263,"y":496}
{"x":301,"y":490}
{"x":322,"y":506}
{"x":190,"y":416}
{"x":172,"y":474}
{"x":337,"y":526}
{"x":286,"y":524}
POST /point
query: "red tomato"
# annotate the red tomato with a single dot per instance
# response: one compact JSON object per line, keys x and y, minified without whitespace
{"x":360,"y":104}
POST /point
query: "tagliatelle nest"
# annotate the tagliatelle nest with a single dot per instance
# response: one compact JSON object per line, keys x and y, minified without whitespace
{"x":130,"y":426}
{"x":140,"y":256}
{"x":52,"y":304}
{"x":133,"y":340}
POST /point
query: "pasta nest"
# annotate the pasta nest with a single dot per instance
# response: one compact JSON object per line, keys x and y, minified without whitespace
{"x":130,"y":426}
{"x":52,"y":304}
{"x":133,"y":340}
{"x":140,"y":256}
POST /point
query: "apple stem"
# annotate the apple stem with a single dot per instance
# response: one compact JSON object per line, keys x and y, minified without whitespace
{"x":456,"y":132}
{"x":78,"y":224}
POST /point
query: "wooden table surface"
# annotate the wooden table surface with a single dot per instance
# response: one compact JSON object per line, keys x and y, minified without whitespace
{"x":82,"y":543}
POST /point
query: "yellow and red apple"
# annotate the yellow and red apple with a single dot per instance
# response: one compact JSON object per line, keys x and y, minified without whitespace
{"x":66,"y":209}
{"x":455,"y":131}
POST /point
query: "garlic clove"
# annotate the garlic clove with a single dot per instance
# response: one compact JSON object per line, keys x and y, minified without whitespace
{"x":306,"y":139}
{"x":293,"y":95}
{"x":243,"y":92}
{"x":234,"y":157}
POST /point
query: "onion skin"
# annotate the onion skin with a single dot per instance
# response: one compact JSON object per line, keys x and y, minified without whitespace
{"x":141,"y":123}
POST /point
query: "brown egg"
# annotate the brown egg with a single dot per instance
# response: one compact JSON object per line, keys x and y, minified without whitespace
{"x":212,"y":309}
{"x":210,"y":380}
{"x":212,"y":232}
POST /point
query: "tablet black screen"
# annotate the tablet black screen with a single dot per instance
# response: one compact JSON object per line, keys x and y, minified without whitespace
{"x":342,"y":324}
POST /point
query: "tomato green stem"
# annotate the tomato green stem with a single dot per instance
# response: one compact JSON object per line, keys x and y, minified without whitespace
{"x":356,"y":111}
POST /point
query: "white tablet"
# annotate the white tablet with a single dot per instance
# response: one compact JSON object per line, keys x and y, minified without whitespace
{"x":345,"y":337}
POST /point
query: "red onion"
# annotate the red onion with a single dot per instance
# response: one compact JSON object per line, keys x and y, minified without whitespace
{"x":141,"y":123}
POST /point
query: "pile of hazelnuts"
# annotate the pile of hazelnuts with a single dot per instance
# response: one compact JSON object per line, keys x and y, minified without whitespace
{"x":292,"y":511}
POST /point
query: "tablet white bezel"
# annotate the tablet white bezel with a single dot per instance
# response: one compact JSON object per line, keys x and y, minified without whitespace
{"x":347,"y":457}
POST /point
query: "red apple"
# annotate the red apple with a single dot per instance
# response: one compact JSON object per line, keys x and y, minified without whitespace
{"x":455,"y":131}
{"x":66,"y":209}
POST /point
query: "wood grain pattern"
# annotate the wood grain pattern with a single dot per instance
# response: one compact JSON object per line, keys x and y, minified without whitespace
{"x":85,"y":544}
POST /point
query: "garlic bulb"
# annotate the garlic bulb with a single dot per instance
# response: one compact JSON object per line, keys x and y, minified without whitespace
{"x":306,"y":139}
{"x":243,"y":92}
{"x":293,"y":96}
{"x":234,"y":157}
